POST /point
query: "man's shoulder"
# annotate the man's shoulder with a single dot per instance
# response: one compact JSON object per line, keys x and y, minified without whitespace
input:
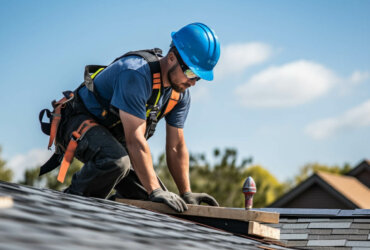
{"x":135,"y":63}
{"x":185,"y":96}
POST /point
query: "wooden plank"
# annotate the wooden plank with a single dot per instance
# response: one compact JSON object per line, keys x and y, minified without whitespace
{"x":6,"y":202}
{"x":208,"y":211}
{"x":264,"y":231}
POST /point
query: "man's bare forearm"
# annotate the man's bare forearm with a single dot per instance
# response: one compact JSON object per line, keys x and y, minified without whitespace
{"x":178,"y":164}
{"x":143,"y":165}
{"x":139,"y":151}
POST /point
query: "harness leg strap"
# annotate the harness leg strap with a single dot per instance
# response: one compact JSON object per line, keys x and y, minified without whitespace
{"x":51,"y":164}
{"x":72,"y":146}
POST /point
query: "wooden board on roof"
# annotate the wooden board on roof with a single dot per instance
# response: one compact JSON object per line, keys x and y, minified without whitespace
{"x":208,"y":211}
{"x":257,"y":229}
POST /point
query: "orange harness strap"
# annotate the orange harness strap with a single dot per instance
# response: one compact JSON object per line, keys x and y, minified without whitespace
{"x":57,"y":117}
{"x":175,"y":96}
{"x":72,"y":145}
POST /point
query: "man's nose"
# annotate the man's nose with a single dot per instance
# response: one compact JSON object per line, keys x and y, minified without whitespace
{"x":192,"y":82}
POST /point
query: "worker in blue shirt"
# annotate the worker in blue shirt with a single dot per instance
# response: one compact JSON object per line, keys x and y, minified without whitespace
{"x":107,"y":121}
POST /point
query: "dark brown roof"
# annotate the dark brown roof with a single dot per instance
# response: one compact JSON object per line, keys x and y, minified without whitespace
{"x":362,"y":166}
{"x":362,"y":172}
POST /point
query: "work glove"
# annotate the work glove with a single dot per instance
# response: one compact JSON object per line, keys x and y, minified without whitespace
{"x":170,"y":199}
{"x":197,"y":198}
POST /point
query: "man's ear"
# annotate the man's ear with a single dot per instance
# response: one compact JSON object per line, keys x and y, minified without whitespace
{"x":171,"y":56}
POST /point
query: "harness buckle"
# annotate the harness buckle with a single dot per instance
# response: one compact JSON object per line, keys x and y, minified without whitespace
{"x":152,"y":121}
{"x":76,"y":136}
{"x":154,"y":113}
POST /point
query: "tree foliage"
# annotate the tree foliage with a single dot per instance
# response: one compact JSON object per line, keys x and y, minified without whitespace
{"x":310,"y":168}
{"x":268,"y":187}
{"x":49,"y":180}
{"x":224,"y":178}
{"x":6,"y":174}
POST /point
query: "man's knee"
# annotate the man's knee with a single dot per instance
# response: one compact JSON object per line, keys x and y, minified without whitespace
{"x":123,"y":165}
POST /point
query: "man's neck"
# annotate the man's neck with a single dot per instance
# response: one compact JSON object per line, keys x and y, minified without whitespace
{"x":164,"y":71}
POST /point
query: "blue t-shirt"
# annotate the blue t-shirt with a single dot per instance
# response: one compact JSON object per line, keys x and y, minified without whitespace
{"x":127,"y":85}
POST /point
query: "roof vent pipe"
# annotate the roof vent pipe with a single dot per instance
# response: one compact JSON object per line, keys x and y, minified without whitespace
{"x":249,"y":189}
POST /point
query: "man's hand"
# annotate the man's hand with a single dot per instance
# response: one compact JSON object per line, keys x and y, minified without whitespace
{"x":197,"y":198}
{"x":170,"y":199}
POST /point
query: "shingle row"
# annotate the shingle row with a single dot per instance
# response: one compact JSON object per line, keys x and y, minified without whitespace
{"x":325,"y":233}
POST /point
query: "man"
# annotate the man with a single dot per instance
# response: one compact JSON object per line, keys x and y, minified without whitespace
{"x":120,"y":158}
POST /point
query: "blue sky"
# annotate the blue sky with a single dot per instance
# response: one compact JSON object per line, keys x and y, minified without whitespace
{"x":292,"y":85}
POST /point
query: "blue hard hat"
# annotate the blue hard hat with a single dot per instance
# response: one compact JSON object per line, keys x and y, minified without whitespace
{"x":198,"y":47}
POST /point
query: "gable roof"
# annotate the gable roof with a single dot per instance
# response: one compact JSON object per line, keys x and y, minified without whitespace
{"x":346,"y":189}
{"x":48,"y":219}
{"x":362,"y":166}
{"x":349,"y":187}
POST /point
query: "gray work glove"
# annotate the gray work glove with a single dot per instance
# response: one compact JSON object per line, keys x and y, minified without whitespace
{"x":170,"y":199}
{"x":197,"y":198}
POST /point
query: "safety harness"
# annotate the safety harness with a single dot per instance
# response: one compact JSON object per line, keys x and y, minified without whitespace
{"x":110,"y":113}
{"x":64,"y":156}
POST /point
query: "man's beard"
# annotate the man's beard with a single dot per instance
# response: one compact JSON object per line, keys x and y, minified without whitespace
{"x":175,"y":86}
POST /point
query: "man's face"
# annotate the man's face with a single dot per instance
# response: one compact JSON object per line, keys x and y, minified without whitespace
{"x":178,"y":81}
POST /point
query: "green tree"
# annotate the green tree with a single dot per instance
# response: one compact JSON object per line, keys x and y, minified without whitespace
{"x":164,"y":174}
{"x":310,"y":168}
{"x":225,"y":178}
{"x":6,"y":174}
{"x":268,"y":187}
{"x":222,"y":180}
{"x":49,"y":180}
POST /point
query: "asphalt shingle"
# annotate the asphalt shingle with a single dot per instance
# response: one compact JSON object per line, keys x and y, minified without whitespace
{"x":293,"y":236}
{"x":330,"y":225}
{"x":328,"y":243}
{"x":351,"y":243}
{"x":47,"y":219}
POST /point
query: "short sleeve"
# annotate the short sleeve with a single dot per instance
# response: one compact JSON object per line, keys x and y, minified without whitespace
{"x":179,"y":113}
{"x":131,"y":92}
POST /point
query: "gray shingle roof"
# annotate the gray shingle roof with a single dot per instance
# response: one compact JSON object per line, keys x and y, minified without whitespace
{"x":47,"y":219}
{"x":324,"y":228}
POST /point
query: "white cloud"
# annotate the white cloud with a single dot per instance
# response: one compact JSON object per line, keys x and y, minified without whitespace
{"x":236,"y":58}
{"x":348,"y":84}
{"x":290,"y":84}
{"x":354,"y":118}
{"x":31,"y":159}
{"x":359,"y":76}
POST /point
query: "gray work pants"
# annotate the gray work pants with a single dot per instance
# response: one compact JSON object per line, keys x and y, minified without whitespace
{"x":106,"y":161}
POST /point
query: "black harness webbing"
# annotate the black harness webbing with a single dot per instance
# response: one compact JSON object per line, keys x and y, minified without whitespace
{"x":51,"y":164}
{"x":110,"y":113}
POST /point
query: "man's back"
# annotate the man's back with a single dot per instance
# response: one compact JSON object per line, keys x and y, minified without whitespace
{"x":127,"y":85}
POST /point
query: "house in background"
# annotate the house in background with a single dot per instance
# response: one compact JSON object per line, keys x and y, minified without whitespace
{"x":327,"y":211}
{"x":362,"y":172}
{"x":326,"y":190}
